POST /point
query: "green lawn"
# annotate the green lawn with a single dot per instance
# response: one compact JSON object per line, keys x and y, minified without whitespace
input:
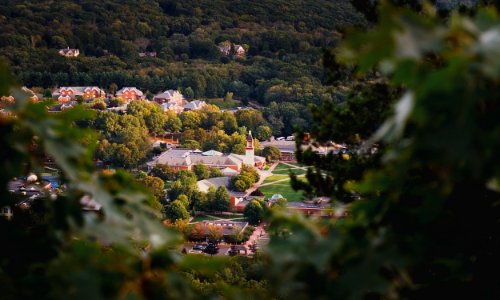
{"x":231,"y":216}
{"x":287,"y":171}
{"x":200,"y":218}
{"x":287,"y":166}
{"x":274,"y":178}
{"x":282,"y":188}
{"x":283,"y":169}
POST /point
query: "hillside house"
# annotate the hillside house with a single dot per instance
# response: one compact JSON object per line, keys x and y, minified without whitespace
{"x":28,"y":93}
{"x":69,"y":52}
{"x":147,"y":54}
{"x":239,"y":51}
{"x":169,"y":96}
{"x":172,"y":107}
{"x":194,"y":105}
{"x":68,"y":94}
{"x":225,"y":49}
{"x":130,"y":93}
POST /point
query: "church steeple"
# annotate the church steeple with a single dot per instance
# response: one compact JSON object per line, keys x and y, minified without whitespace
{"x":249,"y":151}
{"x":249,"y":140}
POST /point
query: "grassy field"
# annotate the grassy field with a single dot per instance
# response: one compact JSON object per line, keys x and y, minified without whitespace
{"x":200,"y":218}
{"x":284,"y":169}
{"x":287,"y":171}
{"x":283,"y":188}
{"x":274,"y":178}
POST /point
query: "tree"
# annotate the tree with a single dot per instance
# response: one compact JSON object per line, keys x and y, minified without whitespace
{"x":250,"y":118}
{"x":155,"y":185}
{"x":190,"y":120}
{"x":180,"y":225}
{"x":239,"y":185}
{"x":222,"y":199}
{"x":214,"y":233}
{"x":253,"y":212}
{"x":271,"y":153}
{"x":189,"y":93}
{"x":230,"y":123}
{"x":211,"y":197}
{"x":164,"y":172}
{"x":215,"y":172}
{"x":184,"y":200}
{"x":198,"y":232}
{"x":176,"y":211}
{"x":263,"y":133}
{"x":151,"y":114}
{"x":124,"y":139}
{"x":172,"y":122}
{"x":201,"y":171}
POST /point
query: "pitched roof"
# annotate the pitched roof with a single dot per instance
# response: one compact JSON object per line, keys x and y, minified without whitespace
{"x":194,"y":105}
{"x":212,"y":153}
{"x":168,"y":94}
{"x":125,"y":89}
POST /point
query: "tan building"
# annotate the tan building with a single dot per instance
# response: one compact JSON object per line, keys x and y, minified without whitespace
{"x":185,"y":159}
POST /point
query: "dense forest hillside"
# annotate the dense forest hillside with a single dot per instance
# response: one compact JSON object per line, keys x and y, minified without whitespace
{"x":283,"y":40}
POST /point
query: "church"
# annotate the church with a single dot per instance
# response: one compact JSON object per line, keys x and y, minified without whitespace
{"x":185,"y":159}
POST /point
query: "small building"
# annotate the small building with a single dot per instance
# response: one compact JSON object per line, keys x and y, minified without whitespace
{"x":172,"y":107}
{"x":205,"y":184}
{"x":309,"y":209}
{"x":67,"y":94}
{"x":239,"y":50}
{"x":225,"y":48}
{"x":287,"y":155}
{"x":194,"y":105}
{"x":169,"y":96}
{"x":130,"y":93}
{"x":69,"y":52}
{"x":27,"y":94}
{"x":238,"y":204}
{"x":147,"y":54}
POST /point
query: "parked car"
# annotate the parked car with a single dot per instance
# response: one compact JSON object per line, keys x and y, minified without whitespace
{"x":211,"y":249}
{"x":200,"y":247}
{"x":290,"y":138}
{"x":281,"y":138}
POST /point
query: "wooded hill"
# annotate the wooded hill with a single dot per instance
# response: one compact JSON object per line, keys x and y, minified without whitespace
{"x":283,"y":39}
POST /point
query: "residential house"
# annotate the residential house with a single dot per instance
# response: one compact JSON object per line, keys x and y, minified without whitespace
{"x":169,"y":96}
{"x":194,"y":105}
{"x":68,"y":94}
{"x":147,"y":54}
{"x":173,"y":106}
{"x":130,"y":93}
{"x":28,"y":93}
{"x":225,"y":49}
{"x":68,"y":52}
{"x":239,"y":50}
